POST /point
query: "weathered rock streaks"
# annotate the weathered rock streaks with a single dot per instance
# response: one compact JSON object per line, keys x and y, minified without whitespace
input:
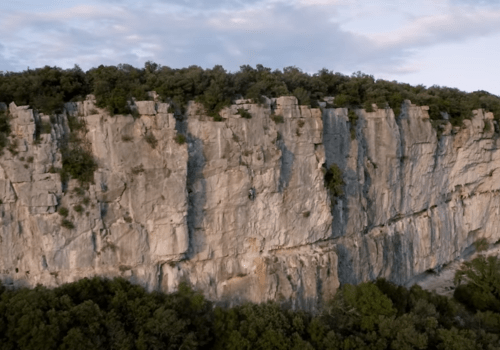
{"x":240,"y":211}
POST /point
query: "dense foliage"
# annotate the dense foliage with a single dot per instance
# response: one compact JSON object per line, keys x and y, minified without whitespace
{"x":482,"y":288}
{"x":47,"y":88}
{"x":334,"y":182}
{"x":4,"y":130}
{"x":77,"y":160}
{"x":114,"y":314}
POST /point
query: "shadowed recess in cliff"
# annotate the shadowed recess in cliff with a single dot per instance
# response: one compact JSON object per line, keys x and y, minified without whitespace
{"x":398,"y":255}
{"x":345,"y":269}
{"x":287,"y":158}
{"x":367,"y":180}
{"x":181,"y":125}
{"x":402,"y":156}
{"x":337,"y":144}
{"x":196,"y":187}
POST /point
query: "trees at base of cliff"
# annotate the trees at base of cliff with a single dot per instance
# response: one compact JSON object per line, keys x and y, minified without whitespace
{"x":481,"y":291}
{"x":103,"y":314}
{"x":115,"y":314}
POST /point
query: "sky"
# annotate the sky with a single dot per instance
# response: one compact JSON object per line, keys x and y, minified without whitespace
{"x":453,"y":43}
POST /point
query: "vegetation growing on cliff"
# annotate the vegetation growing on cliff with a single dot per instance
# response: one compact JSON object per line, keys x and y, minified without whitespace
{"x":47,"y":88}
{"x":114,"y":314}
{"x":78,"y":163}
{"x":334,"y":182}
{"x":4,"y":130}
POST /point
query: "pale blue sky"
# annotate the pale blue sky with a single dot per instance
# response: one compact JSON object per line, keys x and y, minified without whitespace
{"x":445,"y":42}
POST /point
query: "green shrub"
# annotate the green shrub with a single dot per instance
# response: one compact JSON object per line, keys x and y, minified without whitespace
{"x":64,"y":175}
{"x":340,"y":101}
{"x":67,"y":224}
{"x":481,"y":244}
{"x":127,"y":219}
{"x":63,"y":211}
{"x":487,"y":126}
{"x":3,"y":142}
{"x":352,"y":131}
{"x":79,"y":191}
{"x":368,"y":106}
{"x":244,"y":113}
{"x":138,"y":169}
{"x":180,"y":139}
{"x":86,"y":201}
{"x":78,"y":163}
{"x":78,"y":208}
{"x":458,"y":121}
{"x":12,"y":147}
{"x":151,"y":139}
{"x":277,"y":118}
{"x":4,"y":123}
{"x":76,"y":124}
{"x":30,"y":159}
{"x":46,"y":128}
{"x":334,"y":182}
{"x":303,"y":96}
{"x":439,"y":126}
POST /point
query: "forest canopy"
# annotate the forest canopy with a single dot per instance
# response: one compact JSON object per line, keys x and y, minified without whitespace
{"x":115,"y":314}
{"x":47,"y":88}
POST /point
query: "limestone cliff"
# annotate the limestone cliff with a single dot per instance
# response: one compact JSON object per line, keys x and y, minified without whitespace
{"x":240,"y":210}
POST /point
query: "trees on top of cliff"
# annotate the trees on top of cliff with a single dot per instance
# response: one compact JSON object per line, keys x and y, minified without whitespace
{"x":47,"y":88}
{"x":113,"y":86}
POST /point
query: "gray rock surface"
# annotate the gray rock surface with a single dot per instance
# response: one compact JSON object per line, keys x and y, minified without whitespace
{"x":240,"y":210}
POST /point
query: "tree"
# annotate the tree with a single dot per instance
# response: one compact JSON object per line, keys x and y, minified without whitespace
{"x":481,"y":290}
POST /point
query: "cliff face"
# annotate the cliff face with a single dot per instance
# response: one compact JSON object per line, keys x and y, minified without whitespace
{"x":240,"y":210}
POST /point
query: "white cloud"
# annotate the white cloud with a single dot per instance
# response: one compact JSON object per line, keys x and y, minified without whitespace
{"x":450,"y":27}
{"x":347,"y":36}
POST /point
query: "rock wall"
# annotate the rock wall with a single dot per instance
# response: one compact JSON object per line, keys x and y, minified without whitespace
{"x":240,"y":210}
